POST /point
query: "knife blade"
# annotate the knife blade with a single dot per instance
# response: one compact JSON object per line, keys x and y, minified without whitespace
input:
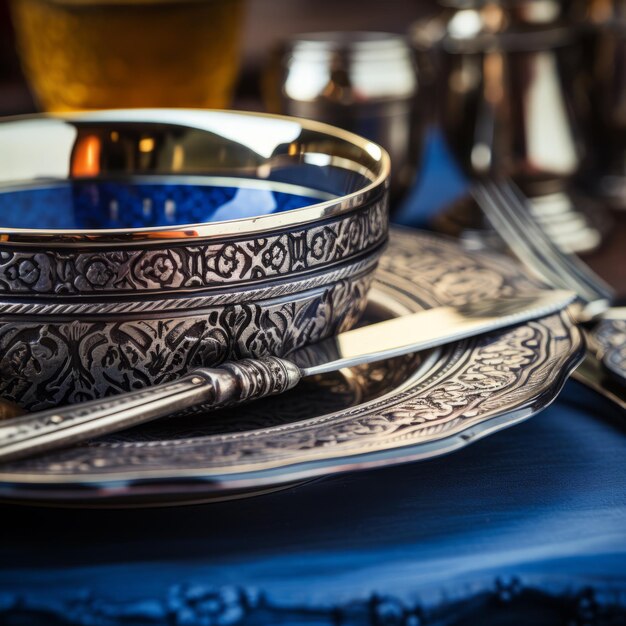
{"x":424,"y":330}
{"x":249,"y":379}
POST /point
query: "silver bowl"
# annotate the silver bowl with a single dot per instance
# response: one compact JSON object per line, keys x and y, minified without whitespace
{"x":118,"y":289}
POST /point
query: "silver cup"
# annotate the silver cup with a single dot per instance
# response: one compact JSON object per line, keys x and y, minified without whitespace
{"x":364,"y":82}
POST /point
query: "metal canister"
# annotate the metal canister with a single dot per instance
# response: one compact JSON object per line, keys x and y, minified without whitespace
{"x":364,"y":82}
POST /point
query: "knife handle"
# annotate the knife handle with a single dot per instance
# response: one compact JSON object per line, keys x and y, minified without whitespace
{"x":231,"y":383}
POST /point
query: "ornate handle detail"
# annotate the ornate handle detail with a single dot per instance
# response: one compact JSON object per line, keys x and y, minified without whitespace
{"x":231,"y":383}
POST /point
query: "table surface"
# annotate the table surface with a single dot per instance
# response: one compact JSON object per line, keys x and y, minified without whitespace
{"x":526,"y":525}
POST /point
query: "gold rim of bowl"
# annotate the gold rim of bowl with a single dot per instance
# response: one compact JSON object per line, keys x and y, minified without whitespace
{"x":378,"y":177}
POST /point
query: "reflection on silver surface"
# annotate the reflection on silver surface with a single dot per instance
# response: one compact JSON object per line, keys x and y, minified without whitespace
{"x":362,"y":81}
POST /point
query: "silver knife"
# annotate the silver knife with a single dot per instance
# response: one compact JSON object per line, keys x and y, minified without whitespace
{"x":249,"y":379}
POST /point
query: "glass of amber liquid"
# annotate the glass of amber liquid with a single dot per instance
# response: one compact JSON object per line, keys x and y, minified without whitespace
{"x":98,"y":54}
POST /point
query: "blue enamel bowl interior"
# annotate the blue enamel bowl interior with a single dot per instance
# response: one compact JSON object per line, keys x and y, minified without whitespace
{"x":146,"y":203}
{"x":128,"y":171}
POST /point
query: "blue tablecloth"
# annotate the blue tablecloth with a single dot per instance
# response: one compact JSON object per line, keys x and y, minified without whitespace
{"x":524,"y":527}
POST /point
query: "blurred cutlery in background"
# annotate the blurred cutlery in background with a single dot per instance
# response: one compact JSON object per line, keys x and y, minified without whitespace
{"x":508,"y":212}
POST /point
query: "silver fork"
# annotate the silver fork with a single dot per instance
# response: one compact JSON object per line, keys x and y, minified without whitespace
{"x":508,"y":211}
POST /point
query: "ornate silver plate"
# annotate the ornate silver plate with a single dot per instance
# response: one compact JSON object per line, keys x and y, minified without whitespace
{"x":405,"y":409}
